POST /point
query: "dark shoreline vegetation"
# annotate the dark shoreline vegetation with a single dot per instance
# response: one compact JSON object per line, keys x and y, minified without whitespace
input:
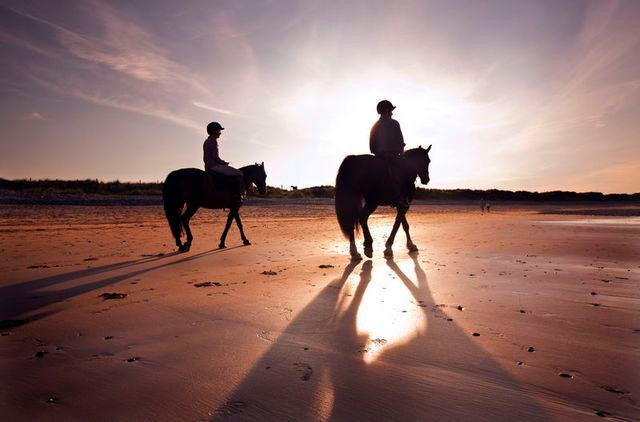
{"x":94,"y":192}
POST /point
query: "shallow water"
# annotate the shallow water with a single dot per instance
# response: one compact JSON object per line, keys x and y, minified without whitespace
{"x":609,"y":221}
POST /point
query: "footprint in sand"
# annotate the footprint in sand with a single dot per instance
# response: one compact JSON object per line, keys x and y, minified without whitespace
{"x":305,"y":369}
{"x":230,"y":408}
{"x":565,"y":375}
{"x":614,"y":390}
{"x":107,"y":296}
{"x":266,"y":336}
{"x":207,"y":284}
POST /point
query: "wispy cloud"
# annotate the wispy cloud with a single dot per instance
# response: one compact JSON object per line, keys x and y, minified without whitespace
{"x":126,"y":103}
{"x":143,"y":78}
{"x":211,"y":108}
{"x":586,"y":94}
{"x":34,"y":115}
{"x":122,"y":46}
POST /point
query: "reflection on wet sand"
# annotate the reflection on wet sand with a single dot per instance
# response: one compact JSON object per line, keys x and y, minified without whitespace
{"x":417,"y":374}
{"x":387,"y":315}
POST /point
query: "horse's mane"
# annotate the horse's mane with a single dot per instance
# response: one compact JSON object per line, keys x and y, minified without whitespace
{"x":415,"y":151}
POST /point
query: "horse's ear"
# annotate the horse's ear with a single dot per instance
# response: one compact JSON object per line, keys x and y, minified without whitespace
{"x":419,"y":146}
{"x":262,"y":164}
{"x":429,"y":149}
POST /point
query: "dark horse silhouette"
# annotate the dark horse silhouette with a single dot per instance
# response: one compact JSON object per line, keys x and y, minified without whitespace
{"x":195,"y":188}
{"x":363,"y":183}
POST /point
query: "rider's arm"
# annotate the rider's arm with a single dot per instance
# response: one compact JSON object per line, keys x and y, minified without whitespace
{"x":216,"y":154}
{"x":400,"y":138}
{"x":372,"y":140}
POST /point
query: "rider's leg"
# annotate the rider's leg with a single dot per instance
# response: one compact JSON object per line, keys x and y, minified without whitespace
{"x":397,"y":195}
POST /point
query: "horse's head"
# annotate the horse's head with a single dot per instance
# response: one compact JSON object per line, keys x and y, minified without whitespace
{"x":418,"y":161}
{"x":255,"y":175}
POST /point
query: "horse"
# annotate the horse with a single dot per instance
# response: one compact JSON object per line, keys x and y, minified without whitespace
{"x":362,"y":184}
{"x":195,"y":188}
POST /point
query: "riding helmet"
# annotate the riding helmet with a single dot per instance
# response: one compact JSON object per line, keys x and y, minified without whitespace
{"x":214,"y":127}
{"x":384,"y":106}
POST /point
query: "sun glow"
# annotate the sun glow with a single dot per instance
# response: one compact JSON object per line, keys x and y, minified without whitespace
{"x":387,"y":315}
{"x":336,"y":118}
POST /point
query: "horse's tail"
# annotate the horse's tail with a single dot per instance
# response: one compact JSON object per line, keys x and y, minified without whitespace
{"x":172,"y":205}
{"x":348,"y":198}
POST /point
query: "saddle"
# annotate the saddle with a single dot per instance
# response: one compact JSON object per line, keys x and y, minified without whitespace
{"x":224,"y":182}
{"x":401,"y":191}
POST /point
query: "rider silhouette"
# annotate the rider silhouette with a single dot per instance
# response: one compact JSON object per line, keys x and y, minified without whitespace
{"x":214,"y":165}
{"x":386,"y":141}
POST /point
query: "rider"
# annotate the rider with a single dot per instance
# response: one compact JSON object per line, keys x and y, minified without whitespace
{"x":386,"y":142}
{"x":213,"y":164}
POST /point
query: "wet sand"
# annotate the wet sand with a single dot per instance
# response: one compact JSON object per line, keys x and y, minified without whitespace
{"x":512,"y":315}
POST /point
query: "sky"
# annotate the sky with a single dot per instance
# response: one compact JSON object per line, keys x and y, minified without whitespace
{"x":533,"y":95}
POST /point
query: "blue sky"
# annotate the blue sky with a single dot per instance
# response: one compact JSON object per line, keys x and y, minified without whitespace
{"x":514,"y":95}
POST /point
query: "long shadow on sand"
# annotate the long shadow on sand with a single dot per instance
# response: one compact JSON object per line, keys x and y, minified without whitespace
{"x":318,"y":368}
{"x":20,"y":299}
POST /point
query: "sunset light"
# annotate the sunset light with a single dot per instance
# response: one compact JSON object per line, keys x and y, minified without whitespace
{"x":305,"y":210}
{"x":300,"y":94}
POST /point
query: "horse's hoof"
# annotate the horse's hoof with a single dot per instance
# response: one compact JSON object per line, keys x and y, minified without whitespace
{"x":246,"y":242}
{"x":356,"y":257}
{"x":368,"y":252}
{"x":412,"y":247}
{"x":183,"y":248}
{"x":388,"y":253}
{"x":222,"y":246}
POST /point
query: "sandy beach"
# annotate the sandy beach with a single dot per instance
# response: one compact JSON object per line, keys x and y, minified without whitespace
{"x":512,"y":315}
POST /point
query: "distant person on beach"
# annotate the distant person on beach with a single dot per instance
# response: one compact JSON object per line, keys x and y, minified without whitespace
{"x":215,"y":165}
{"x":488,"y":206}
{"x":386,"y":141}
{"x":482,"y":205}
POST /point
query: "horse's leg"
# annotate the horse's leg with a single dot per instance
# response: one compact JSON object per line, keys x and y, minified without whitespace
{"x":353,"y":249}
{"x":400,"y":212}
{"x":245,"y":241}
{"x":364,"y":223}
{"x":184,"y":219}
{"x":405,"y":226}
{"x":226,"y":227}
